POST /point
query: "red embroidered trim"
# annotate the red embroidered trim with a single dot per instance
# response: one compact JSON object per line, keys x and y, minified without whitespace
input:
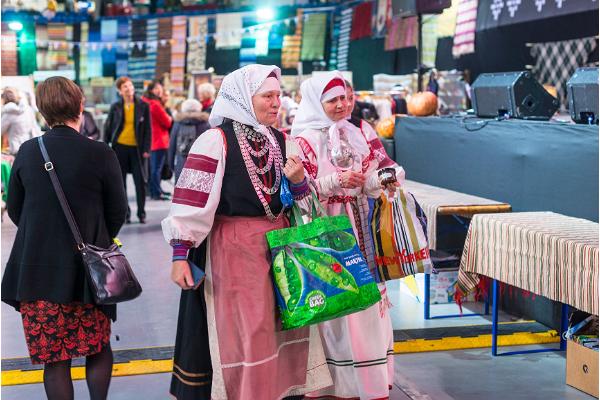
{"x":340,"y":199}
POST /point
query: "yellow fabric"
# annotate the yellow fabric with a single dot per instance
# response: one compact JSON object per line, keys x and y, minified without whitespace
{"x":127,"y":136}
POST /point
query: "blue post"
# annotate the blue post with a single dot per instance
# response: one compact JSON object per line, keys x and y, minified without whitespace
{"x":426,"y":307}
{"x":495,"y":300}
{"x":564,"y":325}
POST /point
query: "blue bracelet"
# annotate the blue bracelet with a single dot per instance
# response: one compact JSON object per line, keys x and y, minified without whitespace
{"x":177,"y":258}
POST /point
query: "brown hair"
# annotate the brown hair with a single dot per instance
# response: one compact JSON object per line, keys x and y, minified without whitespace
{"x":59,"y":100}
{"x":10,"y":95}
{"x":121,"y":81}
{"x":348,"y":84}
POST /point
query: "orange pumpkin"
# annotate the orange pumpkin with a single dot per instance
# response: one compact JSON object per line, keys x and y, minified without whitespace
{"x":422,"y":104}
{"x":385,"y":127}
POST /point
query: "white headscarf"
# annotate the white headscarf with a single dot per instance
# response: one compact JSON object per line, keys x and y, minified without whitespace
{"x":311,"y":115}
{"x":234,"y":100}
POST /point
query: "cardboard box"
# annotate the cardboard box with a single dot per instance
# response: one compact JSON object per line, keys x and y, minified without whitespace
{"x":582,"y":368}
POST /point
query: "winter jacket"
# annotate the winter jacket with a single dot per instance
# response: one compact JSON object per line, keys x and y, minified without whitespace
{"x":161,"y":124}
{"x":19,"y":124}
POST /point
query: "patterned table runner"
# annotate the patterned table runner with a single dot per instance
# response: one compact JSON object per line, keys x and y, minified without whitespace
{"x":431,"y":198}
{"x":548,"y":254}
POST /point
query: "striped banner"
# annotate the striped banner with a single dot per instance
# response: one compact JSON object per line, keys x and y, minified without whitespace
{"x":548,"y":254}
{"x":178,"y":53}
{"x":464,"y":36}
{"x":431,"y":198}
{"x":196,"y":50}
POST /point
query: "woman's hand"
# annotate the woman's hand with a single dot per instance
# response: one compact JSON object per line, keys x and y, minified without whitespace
{"x":294,"y":170}
{"x":351,"y":179}
{"x":182,"y":275}
{"x":391,"y":187}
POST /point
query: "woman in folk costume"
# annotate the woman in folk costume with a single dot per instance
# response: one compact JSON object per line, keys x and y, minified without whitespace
{"x":229,"y":341}
{"x":359,"y":347}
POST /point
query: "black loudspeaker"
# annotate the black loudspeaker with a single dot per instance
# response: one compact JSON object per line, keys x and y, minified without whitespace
{"x":582,"y":91}
{"x":407,"y":8}
{"x":512,"y":95}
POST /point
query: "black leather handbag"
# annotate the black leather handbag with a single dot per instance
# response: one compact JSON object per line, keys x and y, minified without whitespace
{"x":108,"y":271}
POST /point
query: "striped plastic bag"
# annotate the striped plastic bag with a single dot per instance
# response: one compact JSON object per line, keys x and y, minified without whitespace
{"x":399,"y":235}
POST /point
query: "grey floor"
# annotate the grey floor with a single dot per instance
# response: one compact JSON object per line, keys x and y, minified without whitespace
{"x":150,"y":321}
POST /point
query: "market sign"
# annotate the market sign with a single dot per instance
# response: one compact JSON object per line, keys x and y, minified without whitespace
{"x":495,"y":13}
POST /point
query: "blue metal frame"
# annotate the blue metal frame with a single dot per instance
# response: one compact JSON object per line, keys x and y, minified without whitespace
{"x":427,"y":304}
{"x":564,"y":325}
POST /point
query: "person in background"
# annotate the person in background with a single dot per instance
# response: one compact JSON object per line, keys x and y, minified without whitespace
{"x":128,"y":130}
{"x":433,"y":86}
{"x":206,"y":95}
{"x":161,"y":125}
{"x":45,"y":277}
{"x":18,"y":120}
{"x":190,"y":123}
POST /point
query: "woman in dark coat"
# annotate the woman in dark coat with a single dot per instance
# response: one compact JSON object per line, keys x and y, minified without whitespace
{"x":44,"y":277}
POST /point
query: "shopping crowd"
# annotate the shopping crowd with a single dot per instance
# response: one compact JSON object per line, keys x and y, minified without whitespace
{"x":229,"y":163}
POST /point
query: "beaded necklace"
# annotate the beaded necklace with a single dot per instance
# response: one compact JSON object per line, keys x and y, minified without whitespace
{"x":245,"y":135}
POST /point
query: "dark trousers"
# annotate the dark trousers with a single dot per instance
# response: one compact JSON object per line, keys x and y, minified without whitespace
{"x":157,"y":161}
{"x":130,"y":163}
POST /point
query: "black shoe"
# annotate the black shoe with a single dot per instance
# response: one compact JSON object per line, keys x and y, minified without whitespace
{"x":161,"y":198}
{"x":165,"y":193}
{"x":142,"y":219}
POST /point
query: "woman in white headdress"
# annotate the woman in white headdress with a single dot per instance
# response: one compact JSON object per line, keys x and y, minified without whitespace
{"x":229,"y":342}
{"x":344,"y":165}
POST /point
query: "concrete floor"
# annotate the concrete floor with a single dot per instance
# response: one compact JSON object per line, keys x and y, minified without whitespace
{"x":150,"y":321}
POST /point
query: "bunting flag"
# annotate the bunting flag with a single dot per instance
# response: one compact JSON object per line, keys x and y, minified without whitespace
{"x":122,"y":49}
{"x":178,"y":52}
{"x":380,"y":17}
{"x":447,"y":21}
{"x":464,"y":36}
{"x":163,"y":52}
{"x":9,"y":51}
{"x":290,"y":51}
{"x":555,"y":62}
{"x":313,"y":37}
{"x":361,"y":23}
{"x":430,"y":39}
{"x":229,"y":31}
{"x":344,"y":40}
{"x":108,"y":34}
{"x":196,"y":51}
{"x":402,"y":33}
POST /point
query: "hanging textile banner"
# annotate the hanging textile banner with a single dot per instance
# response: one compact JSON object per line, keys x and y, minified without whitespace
{"x":361,"y":23}
{"x":122,"y":49}
{"x":290,"y":50}
{"x":108,"y":34}
{"x":163,"y":53}
{"x":94,"y":56}
{"x":464,"y":36}
{"x":557,"y":61}
{"x":9,"y":51}
{"x":446,"y":24}
{"x":380,"y":17}
{"x":196,"y":55}
{"x":430,"y":39}
{"x":333,"y":47}
{"x":149,"y":69}
{"x":137,"y":56}
{"x":402,"y":33}
{"x":178,"y":53}
{"x":262,"y":41}
{"x":248,"y":46}
{"x":83,"y":51}
{"x":229,"y":31}
{"x":313,"y":37}
{"x":501,"y":12}
{"x":344,"y":41}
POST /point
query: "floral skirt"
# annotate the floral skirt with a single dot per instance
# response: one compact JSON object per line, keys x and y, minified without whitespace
{"x":57,"y":332}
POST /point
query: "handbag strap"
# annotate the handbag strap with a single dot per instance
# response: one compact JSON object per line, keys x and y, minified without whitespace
{"x":48,"y":166}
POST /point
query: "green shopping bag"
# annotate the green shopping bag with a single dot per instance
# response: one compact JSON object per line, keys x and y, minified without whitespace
{"x":319,"y":272}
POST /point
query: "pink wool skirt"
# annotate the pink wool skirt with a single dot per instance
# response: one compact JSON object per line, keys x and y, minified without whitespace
{"x":252,"y":357}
